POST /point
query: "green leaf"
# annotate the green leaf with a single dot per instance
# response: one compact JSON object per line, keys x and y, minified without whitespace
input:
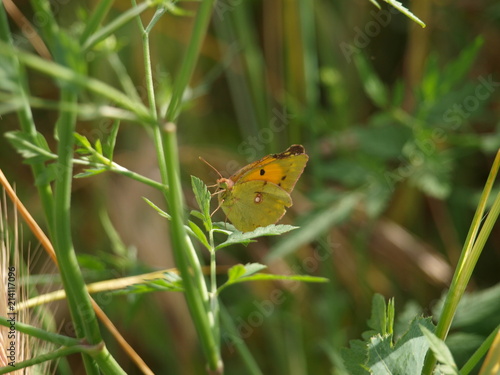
{"x":177,"y":11}
{"x":157,"y":209}
{"x":355,"y":357}
{"x":49,"y":174}
{"x":245,"y":238}
{"x":241,"y":270}
{"x":83,"y":141}
{"x":90,"y":172}
{"x":458,"y":68}
{"x":378,"y":354}
{"x":32,"y":153}
{"x":199,"y":234}
{"x":441,"y":352}
{"x":476,"y":312}
{"x":382,"y":316}
{"x":405,"y":357}
{"x":240,"y":274}
{"x":192,"y":229}
{"x":98,"y":146}
{"x":406,"y":12}
{"x":373,"y":86}
{"x":235,"y":272}
{"x":374,"y":2}
{"x":445,"y":85}
{"x":203,"y":198}
{"x":197,"y":214}
{"x":109,"y":144}
{"x":171,"y":282}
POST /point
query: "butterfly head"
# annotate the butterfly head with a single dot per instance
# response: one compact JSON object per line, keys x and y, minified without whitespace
{"x":225,"y":183}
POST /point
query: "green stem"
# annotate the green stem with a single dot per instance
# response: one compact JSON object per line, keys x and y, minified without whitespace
{"x":118,"y":22}
{"x":61,"y":352}
{"x":26,"y":117}
{"x":78,"y":299}
{"x":116,"y":168}
{"x":184,"y":253}
{"x":147,"y":57}
{"x":214,"y":302}
{"x":111,"y":166}
{"x":185,"y":256}
{"x":54,"y":338}
{"x":67,"y":75}
{"x":189,"y":62}
{"x":96,"y":17}
{"x":157,"y":133}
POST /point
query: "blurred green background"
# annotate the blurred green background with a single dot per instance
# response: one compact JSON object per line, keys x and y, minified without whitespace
{"x":401,"y":124}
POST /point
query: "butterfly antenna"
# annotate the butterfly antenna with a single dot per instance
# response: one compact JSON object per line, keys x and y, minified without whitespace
{"x":210,"y":165}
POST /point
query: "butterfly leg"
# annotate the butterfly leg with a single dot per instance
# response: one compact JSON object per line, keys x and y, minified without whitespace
{"x":217,"y":209}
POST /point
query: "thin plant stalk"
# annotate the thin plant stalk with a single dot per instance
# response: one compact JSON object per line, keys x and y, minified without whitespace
{"x":200,"y":27}
{"x":186,"y":258}
{"x":26,"y":117}
{"x":470,"y":254}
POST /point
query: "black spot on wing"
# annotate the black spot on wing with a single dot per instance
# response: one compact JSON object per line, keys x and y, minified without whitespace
{"x":292,"y":150}
{"x":262,"y":172}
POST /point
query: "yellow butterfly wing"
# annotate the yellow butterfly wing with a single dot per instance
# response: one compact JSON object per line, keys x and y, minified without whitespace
{"x":282,"y":169}
{"x":253,"y":204}
{"x":259,"y":193}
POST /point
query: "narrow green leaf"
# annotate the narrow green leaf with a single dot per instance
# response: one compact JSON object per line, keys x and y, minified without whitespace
{"x":197,"y":214}
{"x":171,"y":282}
{"x":203,"y":198}
{"x":266,"y":277}
{"x":405,"y":11}
{"x":441,"y":351}
{"x":199,"y":234}
{"x":177,"y":11}
{"x":31,"y":152}
{"x":109,"y":145}
{"x":90,"y":172}
{"x":236,"y":272}
{"x":378,"y":318}
{"x":241,"y":270}
{"x":157,"y":209}
{"x":245,"y":238}
{"x":98,"y":146}
{"x":390,"y":316}
{"x":106,"y":30}
{"x":83,"y":141}
{"x":374,"y":2}
{"x":189,"y":228}
{"x":372,"y":84}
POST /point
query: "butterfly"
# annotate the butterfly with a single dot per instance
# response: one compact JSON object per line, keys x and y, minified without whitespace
{"x":258,"y":194}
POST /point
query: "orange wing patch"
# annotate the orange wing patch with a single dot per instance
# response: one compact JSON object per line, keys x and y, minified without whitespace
{"x":282,"y":169}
